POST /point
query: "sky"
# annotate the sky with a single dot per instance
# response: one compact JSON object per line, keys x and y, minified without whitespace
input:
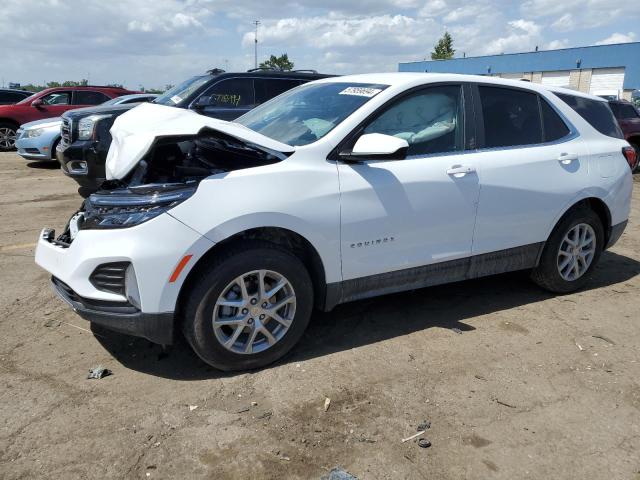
{"x":152,"y":43}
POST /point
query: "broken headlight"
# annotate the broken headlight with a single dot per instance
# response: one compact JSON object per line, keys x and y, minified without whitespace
{"x":126,"y":208}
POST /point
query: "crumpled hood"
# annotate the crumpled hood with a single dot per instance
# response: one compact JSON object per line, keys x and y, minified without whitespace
{"x":135,"y":131}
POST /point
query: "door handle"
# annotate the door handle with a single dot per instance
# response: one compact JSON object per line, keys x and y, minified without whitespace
{"x":460,"y":170}
{"x":567,"y":158}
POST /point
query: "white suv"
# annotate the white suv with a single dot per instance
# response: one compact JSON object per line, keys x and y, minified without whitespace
{"x":338,"y":190}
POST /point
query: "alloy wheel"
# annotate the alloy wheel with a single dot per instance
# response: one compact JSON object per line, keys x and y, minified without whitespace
{"x":254,"y":312}
{"x":576,"y":252}
{"x":7,"y":138}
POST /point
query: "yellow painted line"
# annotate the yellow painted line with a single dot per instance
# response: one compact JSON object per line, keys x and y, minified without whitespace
{"x":18,"y":246}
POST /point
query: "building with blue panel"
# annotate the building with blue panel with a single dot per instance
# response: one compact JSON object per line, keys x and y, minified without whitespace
{"x":606,"y":70}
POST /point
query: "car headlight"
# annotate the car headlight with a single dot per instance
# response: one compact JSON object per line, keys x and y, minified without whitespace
{"x":126,"y":208}
{"x":33,"y":132}
{"x":87,"y":126}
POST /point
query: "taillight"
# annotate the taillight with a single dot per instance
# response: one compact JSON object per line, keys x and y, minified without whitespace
{"x":631,"y":156}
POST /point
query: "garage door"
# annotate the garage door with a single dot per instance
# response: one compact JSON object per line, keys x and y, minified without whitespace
{"x":512,"y":76}
{"x":556,"y":79}
{"x":607,"y":81}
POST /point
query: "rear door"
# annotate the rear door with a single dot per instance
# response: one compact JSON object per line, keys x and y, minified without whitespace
{"x":531,"y":164}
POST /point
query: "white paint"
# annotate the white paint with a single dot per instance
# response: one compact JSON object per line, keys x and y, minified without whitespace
{"x":607,"y":81}
{"x":556,"y":79}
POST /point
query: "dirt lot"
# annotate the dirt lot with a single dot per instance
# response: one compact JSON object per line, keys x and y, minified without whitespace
{"x":516,"y":383}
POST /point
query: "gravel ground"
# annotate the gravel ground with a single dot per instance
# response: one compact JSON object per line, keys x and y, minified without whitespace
{"x":516,"y":383}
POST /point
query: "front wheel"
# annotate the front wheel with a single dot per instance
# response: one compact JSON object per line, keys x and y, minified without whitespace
{"x":571,"y":252}
{"x":7,"y":137}
{"x":249,"y":308}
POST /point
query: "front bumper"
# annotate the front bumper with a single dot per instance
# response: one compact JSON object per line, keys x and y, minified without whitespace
{"x":123,"y":318}
{"x":83,"y":160}
{"x":154,"y":248}
{"x":37,"y":148}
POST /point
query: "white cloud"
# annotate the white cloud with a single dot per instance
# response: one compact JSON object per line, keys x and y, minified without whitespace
{"x":565,"y":23}
{"x":433,"y":8}
{"x":618,"y":38}
{"x":523,"y":35}
{"x":556,"y":44}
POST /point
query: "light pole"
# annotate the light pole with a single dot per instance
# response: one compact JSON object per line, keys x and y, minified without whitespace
{"x":255,"y":44}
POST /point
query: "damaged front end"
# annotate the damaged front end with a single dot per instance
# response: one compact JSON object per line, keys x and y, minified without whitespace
{"x":167,"y":175}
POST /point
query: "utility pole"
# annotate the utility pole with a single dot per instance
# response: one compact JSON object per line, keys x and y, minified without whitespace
{"x":255,"y":44}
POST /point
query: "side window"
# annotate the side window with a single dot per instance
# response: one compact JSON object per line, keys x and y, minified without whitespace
{"x":511,"y":117}
{"x":88,"y":97}
{"x":628,"y":112}
{"x":553,"y":126}
{"x":268,"y":88}
{"x":11,"y":97}
{"x":57,"y":98}
{"x":232,"y":93}
{"x":431,"y":120}
{"x":597,"y":113}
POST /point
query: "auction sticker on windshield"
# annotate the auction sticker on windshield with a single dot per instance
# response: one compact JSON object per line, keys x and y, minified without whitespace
{"x":361,"y":91}
{"x":176,"y":99}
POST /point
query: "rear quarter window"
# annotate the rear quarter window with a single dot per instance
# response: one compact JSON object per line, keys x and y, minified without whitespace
{"x":596,"y":113}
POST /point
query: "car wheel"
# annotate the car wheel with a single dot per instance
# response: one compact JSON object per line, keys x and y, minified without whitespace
{"x":7,"y":137}
{"x":248,"y":308}
{"x":571,"y":252}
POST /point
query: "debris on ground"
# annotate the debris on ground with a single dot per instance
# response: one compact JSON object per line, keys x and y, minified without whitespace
{"x":424,"y":425}
{"x":192,"y":407}
{"x":424,"y":443}
{"x":327,"y":403}
{"x":99,"y":372}
{"x":413,"y":436}
{"x":264,"y":415}
{"x":602,"y":337}
{"x":338,"y":473}
{"x":499,"y":402}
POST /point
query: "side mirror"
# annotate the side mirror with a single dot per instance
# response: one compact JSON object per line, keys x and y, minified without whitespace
{"x":377,"y":146}
{"x":37,"y":102}
{"x":203,"y":101}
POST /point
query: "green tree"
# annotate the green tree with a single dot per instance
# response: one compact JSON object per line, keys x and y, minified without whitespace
{"x":444,"y":48}
{"x":278,"y":63}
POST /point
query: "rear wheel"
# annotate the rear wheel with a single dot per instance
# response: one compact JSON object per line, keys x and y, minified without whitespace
{"x":571,"y":252}
{"x":7,"y":137}
{"x":248,"y":309}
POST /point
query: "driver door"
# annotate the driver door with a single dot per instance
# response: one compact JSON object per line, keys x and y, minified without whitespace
{"x":55,"y":103}
{"x":401,"y":214}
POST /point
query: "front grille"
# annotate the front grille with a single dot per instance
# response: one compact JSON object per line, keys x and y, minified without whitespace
{"x":106,"y":306}
{"x":109,"y":277}
{"x":66,"y":131}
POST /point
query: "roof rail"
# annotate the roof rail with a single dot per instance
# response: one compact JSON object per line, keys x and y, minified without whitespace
{"x":268,"y":69}
{"x":308,"y":70}
{"x":216,"y":71}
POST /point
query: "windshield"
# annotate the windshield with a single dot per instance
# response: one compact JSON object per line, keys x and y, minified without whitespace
{"x":307,"y":113}
{"x":178,"y":93}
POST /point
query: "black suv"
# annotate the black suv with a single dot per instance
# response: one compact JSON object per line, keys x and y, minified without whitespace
{"x":9,"y":96}
{"x":85,"y":134}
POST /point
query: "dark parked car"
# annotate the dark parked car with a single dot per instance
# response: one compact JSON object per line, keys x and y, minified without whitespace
{"x":85,"y":134}
{"x":629,"y":120}
{"x":11,"y":96}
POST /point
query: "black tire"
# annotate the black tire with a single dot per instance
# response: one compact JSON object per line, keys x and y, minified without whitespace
{"x":210,"y":282}
{"x":12,"y":128}
{"x":53,"y":151}
{"x":546,"y":274}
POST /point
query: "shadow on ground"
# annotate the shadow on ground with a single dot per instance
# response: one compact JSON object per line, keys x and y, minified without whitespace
{"x":44,"y":164}
{"x":361,"y":323}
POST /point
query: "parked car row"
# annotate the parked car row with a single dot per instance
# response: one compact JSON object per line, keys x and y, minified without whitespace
{"x":336,"y":190}
{"x":51,"y":102}
{"x":85,"y":133}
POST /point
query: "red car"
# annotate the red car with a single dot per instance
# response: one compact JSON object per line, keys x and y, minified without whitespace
{"x":629,"y":121}
{"x":51,"y":102}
